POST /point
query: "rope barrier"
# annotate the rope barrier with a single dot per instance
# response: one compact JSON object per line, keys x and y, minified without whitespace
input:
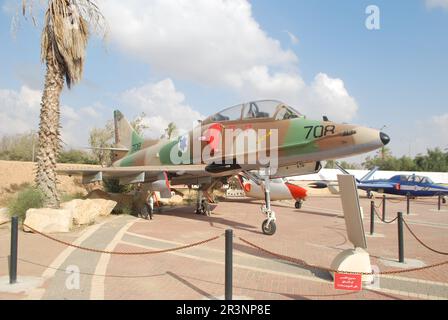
{"x":384,"y":221}
{"x":3,"y":223}
{"x":123,"y":253}
{"x":306,"y":265}
{"x":421,"y":242}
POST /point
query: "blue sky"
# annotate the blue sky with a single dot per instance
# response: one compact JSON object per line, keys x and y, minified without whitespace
{"x":179,"y":60}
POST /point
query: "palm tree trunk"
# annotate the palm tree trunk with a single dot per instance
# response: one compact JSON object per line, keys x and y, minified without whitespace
{"x":49,"y":143}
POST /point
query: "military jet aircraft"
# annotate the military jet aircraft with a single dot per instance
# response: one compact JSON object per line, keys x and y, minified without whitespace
{"x":251,"y":136}
{"x":402,"y":185}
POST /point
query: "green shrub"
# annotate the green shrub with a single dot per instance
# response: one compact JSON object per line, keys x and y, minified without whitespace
{"x":113,"y":186}
{"x":29,"y":198}
{"x":124,"y":210}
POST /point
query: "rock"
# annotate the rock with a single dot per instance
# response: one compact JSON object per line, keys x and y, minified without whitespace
{"x":86,"y":211}
{"x":176,"y":200}
{"x":105,"y":207}
{"x":123,"y":200}
{"x":4,"y":215}
{"x":49,"y":220}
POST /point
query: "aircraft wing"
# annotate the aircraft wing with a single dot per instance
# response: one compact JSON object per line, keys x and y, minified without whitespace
{"x":376,"y":186}
{"x":130,"y":175}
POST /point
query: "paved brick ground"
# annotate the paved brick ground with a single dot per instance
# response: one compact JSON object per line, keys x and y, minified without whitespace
{"x":315,"y":234}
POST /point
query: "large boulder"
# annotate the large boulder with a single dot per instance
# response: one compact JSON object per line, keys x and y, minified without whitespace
{"x":49,"y":220}
{"x":86,"y":211}
{"x":4,"y":215}
{"x":124,"y":201}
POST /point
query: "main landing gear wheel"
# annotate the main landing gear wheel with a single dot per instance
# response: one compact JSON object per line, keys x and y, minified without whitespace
{"x":299,"y":204}
{"x":369,"y":194}
{"x":269,"y":228}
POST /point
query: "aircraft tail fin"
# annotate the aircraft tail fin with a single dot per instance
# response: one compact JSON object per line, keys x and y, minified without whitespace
{"x":125,"y":136}
{"x":370,"y":174}
{"x":343,"y":170}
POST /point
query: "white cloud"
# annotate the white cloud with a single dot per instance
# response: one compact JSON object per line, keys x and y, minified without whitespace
{"x":19,"y":113}
{"x":160,"y":101}
{"x":19,"y":110}
{"x":329,"y":97}
{"x":437,"y":4}
{"x":325,"y":96}
{"x":162,"y":104}
{"x":220,"y":43}
{"x":208,"y":41}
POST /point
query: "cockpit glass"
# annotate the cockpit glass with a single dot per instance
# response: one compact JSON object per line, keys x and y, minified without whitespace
{"x":261,"y":109}
{"x":266,"y":109}
{"x":230,"y":114}
{"x":269,"y":109}
{"x":427,"y":180}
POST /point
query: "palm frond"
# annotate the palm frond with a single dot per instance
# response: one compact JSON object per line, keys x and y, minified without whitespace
{"x":66,"y":32}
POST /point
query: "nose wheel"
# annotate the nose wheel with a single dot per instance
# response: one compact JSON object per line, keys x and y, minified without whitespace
{"x":269,"y":228}
{"x":299,"y":204}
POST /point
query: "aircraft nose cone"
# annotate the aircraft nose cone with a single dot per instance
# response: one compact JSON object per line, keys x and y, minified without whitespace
{"x":384,"y":138}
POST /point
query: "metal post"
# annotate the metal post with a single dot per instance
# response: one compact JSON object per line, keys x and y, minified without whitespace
{"x":229,"y":265}
{"x":440,"y":203}
{"x":372,"y":218}
{"x":13,"y":253}
{"x":400,"y":238}
{"x":384,"y":207}
{"x":408,"y":203}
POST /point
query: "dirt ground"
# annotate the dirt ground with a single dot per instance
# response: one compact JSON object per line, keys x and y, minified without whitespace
{"x":15,"y":175}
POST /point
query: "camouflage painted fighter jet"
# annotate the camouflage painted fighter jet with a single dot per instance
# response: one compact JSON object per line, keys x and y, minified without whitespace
{"x":258,"y":135}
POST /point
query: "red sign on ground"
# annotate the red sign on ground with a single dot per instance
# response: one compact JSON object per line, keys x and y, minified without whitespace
{"x":349,"y":282}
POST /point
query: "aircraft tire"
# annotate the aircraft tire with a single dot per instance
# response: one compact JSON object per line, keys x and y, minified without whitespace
{"x":298,"y":205}
{"x":269,"y":229}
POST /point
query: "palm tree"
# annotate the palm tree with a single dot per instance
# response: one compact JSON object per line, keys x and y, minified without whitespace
{"x":171,"y":130}
{"x":64,"y":39}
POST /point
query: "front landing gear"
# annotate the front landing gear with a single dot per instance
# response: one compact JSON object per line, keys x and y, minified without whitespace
{"x":299,"y":204}
{"x":269,"y":227}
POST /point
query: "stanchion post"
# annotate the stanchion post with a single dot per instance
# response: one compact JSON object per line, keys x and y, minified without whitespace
{"x":408,"y":204}
{"x":400,"y":238}
{"x":372,"y":218}
{"x":13,"y":252}
{"x":384,"y":207}
{"x":229,"y":265}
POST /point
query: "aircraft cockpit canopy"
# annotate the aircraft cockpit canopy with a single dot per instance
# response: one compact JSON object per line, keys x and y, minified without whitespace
{"x":266,"y":109}
{"x":416,"y":179}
